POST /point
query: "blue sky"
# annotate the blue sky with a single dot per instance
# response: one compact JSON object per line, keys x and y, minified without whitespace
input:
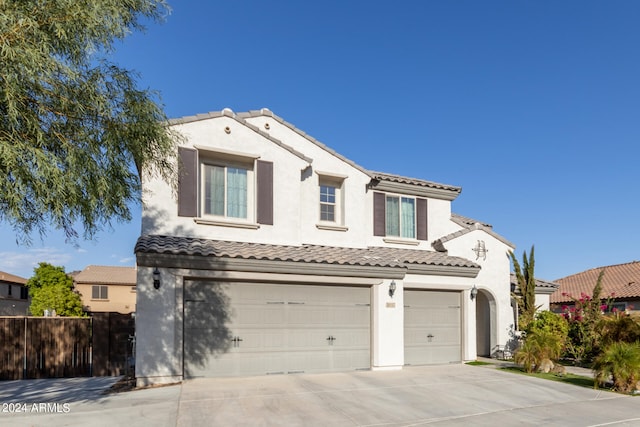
{"x":532,"y":107}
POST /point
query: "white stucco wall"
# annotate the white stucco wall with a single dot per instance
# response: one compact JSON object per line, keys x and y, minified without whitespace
{"x":493,"y":278}
{"x":158,"y":328}
{"x":387,"y":327}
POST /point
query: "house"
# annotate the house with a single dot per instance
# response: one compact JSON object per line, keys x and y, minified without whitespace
{"x":621,"y":283}
{"x":276,"y":255}
{"x":14,"y":295}
{"x":543,"y":291}
{"x":107,"y":289}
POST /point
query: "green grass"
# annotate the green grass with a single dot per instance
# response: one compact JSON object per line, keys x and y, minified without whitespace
{"x":566,"y":378}
{"x":477,"y":363}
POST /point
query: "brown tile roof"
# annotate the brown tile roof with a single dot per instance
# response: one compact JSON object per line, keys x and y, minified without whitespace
{"x":241,"y":117}
{"x":107,"y":275}
{"x":542,"y":286}
{"x":621,"y":280}
{"x":464,"y":221}
{"x":371,"y":256}
{"x":11,"y":278}
{"x":381,"y":176}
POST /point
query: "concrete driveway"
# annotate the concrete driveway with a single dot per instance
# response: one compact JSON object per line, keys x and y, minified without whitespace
{"x":451,"y":395}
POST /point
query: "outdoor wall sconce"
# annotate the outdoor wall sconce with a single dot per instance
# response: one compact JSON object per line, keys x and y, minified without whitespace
{"x":474,"y":292}
{"x":392,"y":288}
{"x":480,"y":250}
{"x":156,"y":278}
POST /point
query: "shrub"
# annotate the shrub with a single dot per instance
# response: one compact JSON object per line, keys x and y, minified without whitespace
{"x":621,"y":362}
{"x":539,"y":348}
{"x":619,"y":328}
{"x":547,"y":321}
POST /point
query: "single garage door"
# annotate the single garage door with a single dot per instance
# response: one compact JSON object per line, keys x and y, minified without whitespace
{"x":238,"y":329}
{"x":432,"y":327}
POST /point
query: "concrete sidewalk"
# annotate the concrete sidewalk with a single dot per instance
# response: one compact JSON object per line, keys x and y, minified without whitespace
{"x":448,"y":395}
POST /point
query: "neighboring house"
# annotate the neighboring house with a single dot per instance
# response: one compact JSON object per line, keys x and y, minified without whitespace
{"x":620,"y":282}
{"x":107,"y":289}
{"x":14,"y":295}
{"x":279,"y":256}
{"x":543,"y":291}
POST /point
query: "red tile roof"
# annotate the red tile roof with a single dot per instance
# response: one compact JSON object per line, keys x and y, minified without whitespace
{"x":621,"y":281}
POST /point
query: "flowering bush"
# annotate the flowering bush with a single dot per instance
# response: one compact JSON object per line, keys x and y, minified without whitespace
{"x":584,"y":319}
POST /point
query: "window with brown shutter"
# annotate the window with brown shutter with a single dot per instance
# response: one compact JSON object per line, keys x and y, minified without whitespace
{"x":187,"y":182}
{"x":264,"y":187}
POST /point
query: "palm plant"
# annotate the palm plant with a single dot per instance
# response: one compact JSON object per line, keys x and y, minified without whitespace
{"x":527,"y":286}
{"x":619,"y":361}
{"x":539,"y":348}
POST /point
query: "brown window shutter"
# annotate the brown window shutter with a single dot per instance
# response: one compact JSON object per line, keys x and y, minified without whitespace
{"x":187,"y":182}
{"x":379,"y":228}
{"x":421,"y":219}
{"x":264,"y":188}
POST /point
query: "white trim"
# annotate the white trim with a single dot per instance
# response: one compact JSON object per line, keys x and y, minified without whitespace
{"x":226,"y":152}
{"x":401,"y":241}
{"x":331,"y":175}
{"x":205,"y":221}
{"x":331,"y":227}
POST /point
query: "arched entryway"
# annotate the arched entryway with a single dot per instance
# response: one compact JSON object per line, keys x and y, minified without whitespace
{"x":485,"y":323}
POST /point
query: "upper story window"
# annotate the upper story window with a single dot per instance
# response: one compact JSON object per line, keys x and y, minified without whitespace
{"x":331,"y":201}
{"x":220,"y":187}
{"x":225,"y":191}
{"x":99,"y":292}
{"x":328,"y":202}
{"x":400,"y":220}
{"x":24,"y":292}
{"x":9,"y":291}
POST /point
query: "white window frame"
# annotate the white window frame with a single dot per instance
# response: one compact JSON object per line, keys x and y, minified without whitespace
{"x":249,"y":167}
{"x":400,"y":216}
{"x":337,"y":183}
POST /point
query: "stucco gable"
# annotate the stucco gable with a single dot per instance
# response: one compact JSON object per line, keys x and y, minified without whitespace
{"x":265,"y":112}
{"x":230,"y":114}
{"x":468,"y":228}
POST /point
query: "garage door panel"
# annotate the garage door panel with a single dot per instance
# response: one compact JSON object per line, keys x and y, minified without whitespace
{"x":432,"y":327}
{"x":282,"y":328}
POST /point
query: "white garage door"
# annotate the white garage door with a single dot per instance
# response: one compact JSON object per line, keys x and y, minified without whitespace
{"x":432,"y":324}
{"x":235,"y":329}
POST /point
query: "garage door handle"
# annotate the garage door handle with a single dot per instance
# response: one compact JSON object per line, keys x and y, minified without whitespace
{"x":236,"y":341}
{"x":331,"y":339}
{"x":429,"y":337}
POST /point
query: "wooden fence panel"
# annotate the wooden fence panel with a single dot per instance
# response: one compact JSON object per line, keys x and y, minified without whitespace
{"x":112,"y":345}
{"x":54,"y":347}
{"x":11,"y":347}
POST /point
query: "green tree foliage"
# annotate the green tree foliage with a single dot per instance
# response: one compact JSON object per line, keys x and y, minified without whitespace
{"x":526,"y":282}
{"x":75,"y":130}
{"x":51,"y":288}
{"x":619,"y":361}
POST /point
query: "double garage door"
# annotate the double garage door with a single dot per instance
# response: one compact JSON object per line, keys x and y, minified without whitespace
{"x":235,"y":329}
